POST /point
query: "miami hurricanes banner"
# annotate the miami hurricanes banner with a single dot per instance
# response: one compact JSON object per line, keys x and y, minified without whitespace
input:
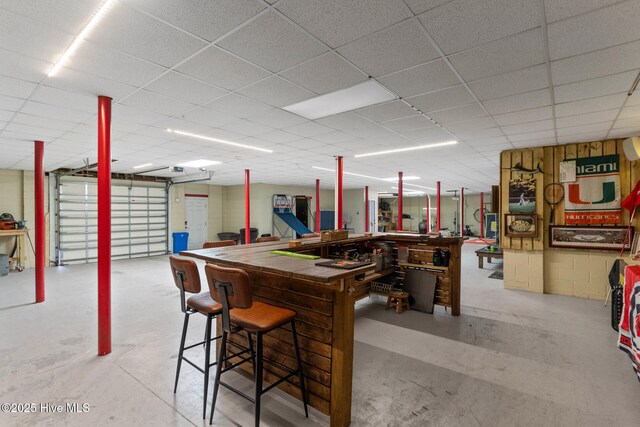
{"x":594,"y":198}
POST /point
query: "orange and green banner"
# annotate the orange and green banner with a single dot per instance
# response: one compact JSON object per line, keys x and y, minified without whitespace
{"x":594,"y":198}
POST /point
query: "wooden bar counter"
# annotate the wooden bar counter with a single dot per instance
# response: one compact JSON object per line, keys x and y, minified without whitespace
{"x":324,"y":299}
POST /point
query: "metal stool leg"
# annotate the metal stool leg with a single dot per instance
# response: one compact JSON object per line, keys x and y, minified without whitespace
{"x":258,"y":374}
{"x":207,"y":355}
{"x":221,"y":356}
{"x":253,"y":355}
{"x":299,"y":362}
{"x":181,"y":351}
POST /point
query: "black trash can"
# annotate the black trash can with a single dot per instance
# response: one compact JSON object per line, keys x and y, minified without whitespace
{"x":229,"y":235}
{"x":253,"y":232}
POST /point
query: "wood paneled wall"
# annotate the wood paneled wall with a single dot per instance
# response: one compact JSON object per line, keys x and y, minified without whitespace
{"x":549,"y":159}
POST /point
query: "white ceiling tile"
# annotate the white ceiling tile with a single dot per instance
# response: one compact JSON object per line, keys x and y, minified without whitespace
{"x":246,"y":127}
{"x":392,"y":49}
{"x":487,"y":142}
{"x":599,"y":29}
{"x":133,"y":32}
{"x":420,"y":6}
{"x":308,"y":129}
{"x":615,"y":83}
{"x":508,"y":54}
{"x":433,"y":134}
{"x":524,"y":116}
{"x":458,"y":114}
{"x":600,"y":128}
{"x":5,"y":116}
{"x":160,"y":104}
{"x":530,"y":136}
{"x":136,"y":115}
{"x":473,"y":124}
{"x":409,"y":123}
{"x":462,"y":24}
{"x":585,"y":119}
{"x":209,"y":117}
{"x":208,"y":19}
{"x":278,"y":136}
{"x":335,"y":137}
{"x":528,"y":127}
{"x":87,"y":84}
{"x":184,"y":88}
{"x":626,"y":123}
{"x":53,"y":112}
{"x":344,"y":121}
{"x":336,"y":22}
{"x":424,"y":78}
{"x":276,"y":91}
{"x":596,"y":64}
{"x":219,"y":68}
{"x":542,"y":142}
{"x":277,"y":118}
{"x":15,"y":87}
{"x":556,"y":10}
{"x":624,"y":132}
{"x":19,"y":66}
{"x":632,"y":112}
{"x":442,"y":99}
{"x":273,"y":43}
{"x":44,"y":122}
{"x":238,"y":106}
{"x":523,"y":101}
{"x":34,"y":131}
{"x":372,"y":130}
{"x":525,"y":80}
{"x":326,"y":73}
{"x":10,"y":103}
{"x":590,"y":105}
{"x":66,"y":98}
{"x":387,"y":111}
{"x":471,"y":134}
{"x":634,"y":99}
{"x":582,"y":137}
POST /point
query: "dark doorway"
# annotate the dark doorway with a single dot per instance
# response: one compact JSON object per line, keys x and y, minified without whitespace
{"x":302,"y":209}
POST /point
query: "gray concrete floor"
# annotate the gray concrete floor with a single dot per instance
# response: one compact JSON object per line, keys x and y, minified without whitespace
{"x":511,"y":359}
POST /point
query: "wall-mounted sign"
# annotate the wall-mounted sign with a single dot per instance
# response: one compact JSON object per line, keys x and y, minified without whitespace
{"x":568,"y":171}
{"x":594,"y":197}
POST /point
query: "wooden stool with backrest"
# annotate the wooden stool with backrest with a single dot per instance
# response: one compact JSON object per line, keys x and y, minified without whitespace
{"x":230,"y":287}
{"x":218,"y":244}
{"x":267,"y":239}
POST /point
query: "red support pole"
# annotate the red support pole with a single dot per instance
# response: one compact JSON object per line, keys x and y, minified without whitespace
{"x":247,"y":208}
{"x":317,"y":206}
{"x":339,"y":171}
{"x":39,"y":208}
{"x":104,"y":225}
{"x":462,"y":212}
{"x":428,"y":218}
{"x":399,"y":201}
{"x":438,"y":206}
{"x":481,"y":215}
{"x":366,"y":208}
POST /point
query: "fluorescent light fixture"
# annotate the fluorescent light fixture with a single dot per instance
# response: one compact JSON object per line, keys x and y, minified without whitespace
{"x":348,"y":173}
{"x":80,"y":37}
{"x":200,"y":163}
{"x":404,"y":178}
{"x":422,"y":186}
{"x":221,"y":141}
{"x":143,"y":166}
{"x":400,"y":150}
{"x":359,"y":96}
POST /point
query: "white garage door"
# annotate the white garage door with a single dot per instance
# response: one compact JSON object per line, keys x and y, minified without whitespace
{"x":139,"y":220}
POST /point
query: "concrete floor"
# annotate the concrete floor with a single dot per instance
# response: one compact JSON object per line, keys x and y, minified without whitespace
{"x":511,"y":358}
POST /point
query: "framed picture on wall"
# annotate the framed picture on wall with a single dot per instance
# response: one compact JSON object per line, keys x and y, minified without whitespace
{"x":520,"y":225}
{"x":522,"y":195}
{"x":585,"y":237}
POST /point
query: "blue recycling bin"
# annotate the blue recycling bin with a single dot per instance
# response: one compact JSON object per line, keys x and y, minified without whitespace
{"x":180,"y":241}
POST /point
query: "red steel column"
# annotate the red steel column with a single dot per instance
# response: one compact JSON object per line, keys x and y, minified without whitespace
{"x":317,"y":205}
{"x":481,"y":215}
{"x":399,"y":201}
{"x":339,"y":171}
{"x":438,"y":206}
{"x":428,"y":215}
{"x":104,"y":225}
{"x":462,"y":212}
{"x":247,"y":208}
{"x":366,"y":208}
{"x":39,"y":210}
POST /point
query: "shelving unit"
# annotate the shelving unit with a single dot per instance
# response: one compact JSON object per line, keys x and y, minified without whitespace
{"x":383,"y":226}
{"x":361,"y":287}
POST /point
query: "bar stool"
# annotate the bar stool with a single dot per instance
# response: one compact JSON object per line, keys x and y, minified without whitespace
{"x":187,"y":279}
{"x":230,"y":286}
{"x":218,"y":244}
{"x":268,"y":239}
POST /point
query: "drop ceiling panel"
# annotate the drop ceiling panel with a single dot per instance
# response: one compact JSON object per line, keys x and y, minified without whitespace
{"x":632,"y":112}
{"x":15,"y":65}
{"x":277,"y":118}
{"x":586,"y":119}
{"x":524,"y":116}
{"x":10,"y":103}
{"x":160,"y":104}
{"x":508,"y":54}
{"x":15,"y":87}
{"x":462,"y":24}
{"x":276,"y":91}
{"x":524,"y":101}
{"x":337,"y":23}
{"x":582,"y":137}
{"x":528,"y":127}
{"x":596,"y":64}
{"x":334,"y":137}
{"x":599,"y":128}
{"x":425,"y":135}
{"x":325,"y":73}
{"x":65,"y":98}
{"x":53,"y":112}
{"x":535,"y":143}
{"x":34,"y":131}
{"x":424,"y":78}
{"x":278,"y":136}
{"x":387,"y":111}
{"x":615,"y":83}
{"x":184,"y":88}
{"x":409,"y":123}
{"x":43,"y":122}
{"x":556,"y":10}
{"x":532,"y":136}
{"x":473,"y":124}
{"x":208,"y":19}
{"x":238,"y":106}
{"x":595,"y":30}
{"x":344,"y":121}
{"x":473,"y":134}
{"x":246,"y":127}
{"x":442,"y":99}
{"x":590,"y":105}
{"x":458,"y":114}
{"x":308,"y":129}
{"x":87,"y":84}
{"x":136,"y":115}
{"x":392,"y":49}
{"x":420,"y":6}
{"x":273,"y":43}
{"x":515,"y":82}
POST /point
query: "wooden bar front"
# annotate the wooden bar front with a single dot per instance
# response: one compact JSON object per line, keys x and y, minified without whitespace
{"x":324,"y":299}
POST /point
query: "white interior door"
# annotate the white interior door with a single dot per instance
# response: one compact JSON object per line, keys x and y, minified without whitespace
{"x":196,"y":212}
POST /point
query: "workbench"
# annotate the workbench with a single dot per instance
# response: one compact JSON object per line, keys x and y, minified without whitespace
{"x":20,"y":256}
{"x":324,"y":299}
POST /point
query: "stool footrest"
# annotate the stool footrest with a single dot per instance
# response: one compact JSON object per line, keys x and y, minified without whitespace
{"x":280,"y":381}
{"x":201,"y":343}
{"x":235,"y":390}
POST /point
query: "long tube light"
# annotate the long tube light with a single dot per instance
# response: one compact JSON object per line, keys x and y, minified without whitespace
{"x":400,"y":150}
{"x":363,"y":176}
{"x":221,"y":141}
{"x":80,"y":37}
